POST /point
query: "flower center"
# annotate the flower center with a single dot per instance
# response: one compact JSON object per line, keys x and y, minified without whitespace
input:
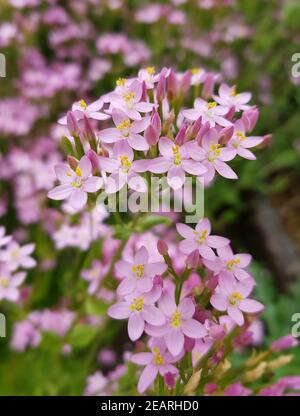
{"x":83,"y":104}
{"x":121,"y":82}
{"x":137,"y":304}
{"x":201,"y":237}
{"x":125,"y":125}
{"x":150,"y":70}
{"x":125,"y":163}
{"x":240,"y":135}
{"x":235,"y":298}
{"x":195,"y":71}
{"x":138,"y":270}
{"x":176,"y":319}
{"x":233,"y":92}
{"x":129,"y":96}
{"x":176,"y":153}
{"x":231,"y":263}
{"x":4,"y":281}
{"x":214,"y":151}
{"x":211,"y":105}
{"x":78,"y":171}
{"x":158,"y":358}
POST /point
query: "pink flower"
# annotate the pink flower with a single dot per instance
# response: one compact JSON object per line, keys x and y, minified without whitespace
{"x":128,"y":99}
{"x":209,"y":111}
{"x":16,"y":256}
{"x":123,"y":169}
{"x":9,"y":284}
{"x":4,"y":239}
{"x":228,"y":97}
{"x":94,"y":275}
{"x":237,"y":389}
{"x":126,"y":130}
{"x":231,"y":296}
{"x":180,"y":323}
{"x":75,"y":183}
{"x":283,"y":343}
{"x":149,"y":76}
{"x":176,"y":160}
{"x":240,"y":143}
{"x":214,"y":156}
{"x":138,"y":275}
{"x":200,"y":239}
{"x":139,"y":308}
{"x":81,"y":109}
{"x":230,"y":264}
{"x":158,"y":361}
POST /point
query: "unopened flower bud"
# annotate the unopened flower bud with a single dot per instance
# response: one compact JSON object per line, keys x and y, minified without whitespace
{"x":72,"y":124}
{"x":162,"y":247}
{"x":193,"y":259}
{"x":72,"y":162}
{"x":284,"y":343}
{"x":93,"y":157}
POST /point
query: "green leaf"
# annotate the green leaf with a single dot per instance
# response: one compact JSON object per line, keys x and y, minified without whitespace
{"x":82,"y":336}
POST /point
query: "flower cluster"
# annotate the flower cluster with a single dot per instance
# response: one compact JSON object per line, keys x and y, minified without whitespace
{"x":13,"y":257}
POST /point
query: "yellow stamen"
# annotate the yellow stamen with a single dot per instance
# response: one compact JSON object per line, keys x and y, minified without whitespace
{"x":235,"y":297}
{"x":202,"y":236}
{"x":214,"y":151}
{"x":176,"y":319}
{"x":129,"y":96}
{"x":211,"y":105}
{"x":125,"y":163}
{"x":195,"y":71}
{"x":78,"y":171}
{"x":124,"y":125}
{"x":138,"y":270}
{"x":150,"y":70}
{"x":233,"y":92}
{"x":176,"y":153}
{"x":4,"y":281}
{"x":137,"y":304}
{"x":158,"y":359}
{"x":121,"y":82}
{"x":83,"y":104}
{"x":240,"y":135}
{"x":231,"y":263}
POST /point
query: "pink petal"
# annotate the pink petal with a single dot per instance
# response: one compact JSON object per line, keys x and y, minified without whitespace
{"x":224,"y":170}
{"x":92,"y":184}
{"x":141,"y":256}
{"x":217,"y":242}
{"x":219,"y":302}
{"x":136,"y":326}
{"x":193,"y":329}
{"x":142,"y":358}
{"x":137,"y":183}
{"x":187,"y":246}
{"x":185,"y":231}
{"x":151,"y":269}
{"x":86,"y":167}
{"x":203,"y":224}
{"x":60,"y":192}
{"x":176,"y":177}
{"x":167,"y":304}
{"x":147,"y":377}
{"x":236,"y":315}
{"x":245,"y":153}
{"x":123,"y":268}
{"x":165,"y":146}
{"x":186,"y":308}
{"x":158,"y":165}
{"x":78,"y":199}
{"x":110,"y":135}
{"x":153,"y":315}
{"x":126,"y":287}
{"x":122,"y":148}
{"x":119,"y":310}
{"x":107,"y":164}
{"x":251,"y":306}
{"x":175,"y":341}
{"x":138,"y":142}
{"x":64,"y":173}
{"x":206,"y":252}
{"x":145,"y":284}
{"x":193,"y":168}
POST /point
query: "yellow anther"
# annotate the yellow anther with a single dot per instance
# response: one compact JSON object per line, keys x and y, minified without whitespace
{"x":78,"y":171}
{"x":138,"y":270}
{"x":124,"y":125}
{"x":137,"y":304}
{"x":121,"y":82}
{"x":195,"y":71}
{"x":215,"y":150}
{"x":201,"y":236}
{"x":4,"y":281}
{"x":150,"y":70}
{"x":176,"y":153}
{"x":233,"y":92}
{"x":158,"y":358}
{"x":125,"y":163}
{"x":235,"y":297}
{"x":231,"y":263}
{"x":176,"y":319}
{"x":83,"y":104}
{"x":211,"y":105}
{"x":129,"y":96}
{"x":240,"y":135}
